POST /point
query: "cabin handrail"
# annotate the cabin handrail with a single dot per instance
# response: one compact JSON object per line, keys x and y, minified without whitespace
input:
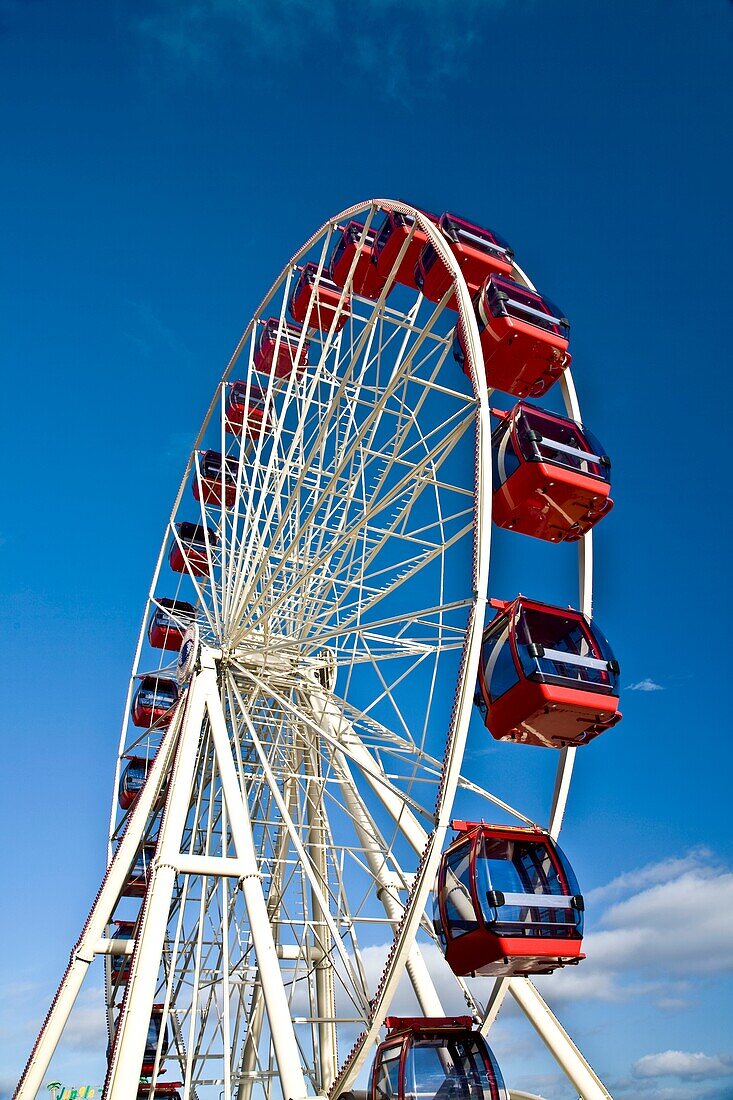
{"x":566,"y":449}
{"x":543,"y":314}
{"x":538,"y":901}
{"x":564,"y":658}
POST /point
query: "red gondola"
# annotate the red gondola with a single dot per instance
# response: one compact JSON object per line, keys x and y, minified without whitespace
{"x":151,"y":1044}
{"x":192,"y":548}
{"x":547,"y":676}
{"x":153,"y":1040}
{"x":137,"y":880}
{"x":120,"y":964}
{"x":162,"y":1091}
{"x":288,"y":359}
{"x":243,"y":409}
{"x":524,"y":338}
{"x":325,"y":297}
{"x":132,"y":780}
{"x":169,"y":622}
{"x":366,"y":280}
{"x":395,"y":230}
{"x":434,"y":1058}
{"x":153,"y":699}
{"x":551,"y":475}
{"x":479,"y":251}
{"x":507,"y":902}
{"x":210,"y":465}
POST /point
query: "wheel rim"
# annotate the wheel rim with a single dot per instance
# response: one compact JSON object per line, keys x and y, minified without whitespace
{"x":341,"y":602}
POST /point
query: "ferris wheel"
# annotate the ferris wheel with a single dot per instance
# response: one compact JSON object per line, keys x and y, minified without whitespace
{"x":298,"y":846}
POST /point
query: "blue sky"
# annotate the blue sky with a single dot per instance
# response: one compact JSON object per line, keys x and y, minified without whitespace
{"x":161,"y":163}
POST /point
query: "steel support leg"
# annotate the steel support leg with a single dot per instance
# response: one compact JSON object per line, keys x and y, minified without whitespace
{"x":250,"y":1049}
{"x":325,"y":999}
{"x":287,"y":1053}
{"x":132,"y":1028}
{"x":101,"y":913}
{"x":417,"y":970}
{"x":557,"y":1040}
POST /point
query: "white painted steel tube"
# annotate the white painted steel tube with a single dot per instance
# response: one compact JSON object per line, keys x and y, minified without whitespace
{"x":335,"y":722}
{"x":417,"y":970}
{"x":248,"y":1059}
{"x":114,"y":947}
{"x":219,"y":866}
{"x":325,"y":997}
{"x":284,"y":1042}
{"x":100,"y":916}
{"x":132,"y":1029}
{"x":557,"y":1041}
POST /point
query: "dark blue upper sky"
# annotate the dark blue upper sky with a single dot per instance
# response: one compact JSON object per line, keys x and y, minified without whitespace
{"x":161,"y":162}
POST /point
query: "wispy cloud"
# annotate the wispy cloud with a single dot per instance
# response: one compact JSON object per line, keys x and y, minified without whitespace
{"x":15,"y":992}
{"x":381,"y":36}
{"x":666,"y":1089}
{"x":145,"y":330}
{"x":196,"y":31}
{"x":23,"y":1005}
{"x":650,"y":874}
{"x":87,"y":1026}
{"x":645,"y":685}
{"x":684,"y":1064}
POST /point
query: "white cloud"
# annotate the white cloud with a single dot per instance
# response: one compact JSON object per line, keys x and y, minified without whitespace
{"x":681,"y":925}
{"x":667,"y":925}
{"x":649,"y":875}
{"x":687,"y":1090}
{"x":682,"y":1063}
{"x":644,"y":685}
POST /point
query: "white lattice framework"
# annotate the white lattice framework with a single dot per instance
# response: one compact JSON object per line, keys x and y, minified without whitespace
{"x":301,"y":790}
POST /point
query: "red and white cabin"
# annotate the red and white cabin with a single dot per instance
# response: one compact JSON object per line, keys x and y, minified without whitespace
{"x":547,"y":676}
{"x":153,"y":699}
{"x":168,"y":623}
{"x":133,"y":779}
{"x":152,"y":1041}
{"x":169,"y":1090}
{"x":137,"y":880}
{"x":507,"y":902}
{"x":210,"y":465}
{"x":366,"y":281}
{"x":276,"y":351}
{"x":325,"y":295}
{"x":245,"y":411}
{"x":434,"y":1057}
{"x":395,"y":230}
{"x":120,"y":964}
{"x":551,"y":475}
{"x":524,"y":338}
{"x":189,"y":550}
{"x":479,"y":251}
